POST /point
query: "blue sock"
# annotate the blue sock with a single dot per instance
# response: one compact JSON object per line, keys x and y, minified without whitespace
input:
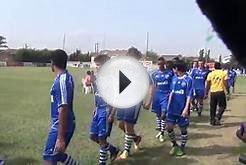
{"x":111,"y":148}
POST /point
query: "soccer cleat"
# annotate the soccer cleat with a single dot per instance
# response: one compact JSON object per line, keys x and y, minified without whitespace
{"x":179,"y":152}
{"x":174,"y":150}
{"x":114,"y":155}
{"x":137,"y":142}
{"x":162,"y":138}
{"x":124,"y":155}
{"x":158,"y":135}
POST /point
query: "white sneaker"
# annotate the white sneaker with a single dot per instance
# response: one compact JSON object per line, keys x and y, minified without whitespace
{"x":158,"y":135}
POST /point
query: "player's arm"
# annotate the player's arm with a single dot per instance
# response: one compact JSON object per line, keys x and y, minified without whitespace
{"x":208,"y":85}
{"x":63,"y":115}
{"x":112,"y":115}
{"x":185,"y":112}
{"x":226,"y":84}
{"x":150,"y":94}
{"x":149,"y":97}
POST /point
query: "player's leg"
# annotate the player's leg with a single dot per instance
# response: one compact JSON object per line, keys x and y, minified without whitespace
{"x":156,"y":108}
{"x":200,"y":97}
{"x":131,"y":116}
{"x":51,"y":157}
{"x":222,"y":106}
{"x":213,"y":107}
{"x":171,"y":121}
{"x":194,"y":101}
{"x":120,"y":118}
{"x":94,"y":129}
{"x":164,"y":104}
{"x":105,"y":147}
{"x":183,"y":123}
{"x":233,"y":86}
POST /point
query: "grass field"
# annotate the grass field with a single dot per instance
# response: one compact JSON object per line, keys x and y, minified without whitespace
{"x":24,"y":124}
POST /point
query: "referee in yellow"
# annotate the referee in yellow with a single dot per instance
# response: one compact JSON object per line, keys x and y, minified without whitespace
{"x":217,"y":84}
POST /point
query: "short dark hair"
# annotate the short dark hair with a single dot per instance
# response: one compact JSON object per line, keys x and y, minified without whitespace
{"x":101,"y":59}
{"x":217,"y":65}
{"x":170,"y":64}
{"x":161,"y":59}
{"x":59,"y":58}
{"x":181,"y":66}
{"x":134,"y":52}
{"x":88,"y":72}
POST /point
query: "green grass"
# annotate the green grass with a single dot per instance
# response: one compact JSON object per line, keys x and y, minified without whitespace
{"x":24,"y":121}
{"x":241,"y":85}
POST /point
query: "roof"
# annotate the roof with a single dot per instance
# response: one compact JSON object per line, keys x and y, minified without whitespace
{"x":116,"y":52}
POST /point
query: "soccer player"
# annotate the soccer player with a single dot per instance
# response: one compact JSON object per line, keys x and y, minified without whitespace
{"x":194,"y":67}
{"x":231,"y":80}
{"x":216,"y":84}
{"x":178,"y":108}
{"x":199,"y":77}
{"x":103,"y":116}
{"x":62,"y":115}
{"x":162,"y":79}
{"x":128,"y":118}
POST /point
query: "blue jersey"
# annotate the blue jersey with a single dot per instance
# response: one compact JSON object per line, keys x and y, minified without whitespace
{"x":199,"y":77}
{"x":232,"y":75}
{"x":162,"y":80}
{"x":99,"y":102}
{"x":181,"y":89}
{"x":62,"y":92}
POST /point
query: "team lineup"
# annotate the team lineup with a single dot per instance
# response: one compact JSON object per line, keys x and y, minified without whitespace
{"x":173,"y":94}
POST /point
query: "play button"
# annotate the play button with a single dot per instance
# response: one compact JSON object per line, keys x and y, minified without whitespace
{"x":123,"y":82}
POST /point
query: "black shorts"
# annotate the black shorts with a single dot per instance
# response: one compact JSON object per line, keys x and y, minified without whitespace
{"x":218,"y":98}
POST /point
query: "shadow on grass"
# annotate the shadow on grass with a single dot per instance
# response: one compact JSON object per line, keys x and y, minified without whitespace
{"x":215,"y":150}
{"x":155,"y":156}
{"x":206,"y":118}
{"x":209,"y":127}
{"x":22,"y":161}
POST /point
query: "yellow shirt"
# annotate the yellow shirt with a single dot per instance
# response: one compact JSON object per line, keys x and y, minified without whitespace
{"x":217,"y":78}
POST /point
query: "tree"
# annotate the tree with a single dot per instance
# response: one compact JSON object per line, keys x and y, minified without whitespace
{"x":152,"y":56}
{"x":78,"y":56}
{"x":201,"y":54}
{"x":220,"y":59}
{"x":31,"y":55}
{"x":3,"y":42}
{"x":207,"y":55}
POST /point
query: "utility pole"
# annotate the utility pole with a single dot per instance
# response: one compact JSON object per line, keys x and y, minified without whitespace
{"x":97,"y":48}
{"x":147,"y":43}
{"x":64,"y":41}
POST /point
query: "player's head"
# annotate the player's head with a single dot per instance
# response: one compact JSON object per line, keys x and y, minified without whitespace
{"x":161,"y":63}
{"x":217,"y":65}
{"x":135,"y":53}
{"x":88,"y":72}
{"x":100,"y":60}
{"x":180,"y":67}
{"x":195,"y":64}
{"x":169,"y":65}
{"x":92,"y":72}
{"x":201,"y":64}
{"x":58,"y":60}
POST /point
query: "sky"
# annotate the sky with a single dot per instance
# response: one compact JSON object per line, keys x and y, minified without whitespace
{"x":174,"y":26}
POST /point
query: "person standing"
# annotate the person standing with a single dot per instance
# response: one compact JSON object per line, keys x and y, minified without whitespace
{"x":199,"y":77}
{"x":162,"y":80}
{"x":216,"y":84}
{"x":62,"y":115}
